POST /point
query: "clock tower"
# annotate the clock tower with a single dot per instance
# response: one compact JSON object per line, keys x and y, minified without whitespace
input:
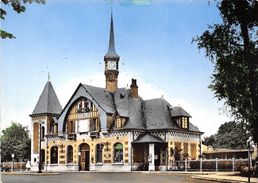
{"x":111,"y":62}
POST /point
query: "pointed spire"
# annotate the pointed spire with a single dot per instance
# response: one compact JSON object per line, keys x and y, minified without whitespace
{"x":111,"y":47}
{"x":48,"y":102}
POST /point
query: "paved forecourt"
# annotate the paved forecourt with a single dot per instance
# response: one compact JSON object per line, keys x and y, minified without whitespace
{"x":91,"y":177}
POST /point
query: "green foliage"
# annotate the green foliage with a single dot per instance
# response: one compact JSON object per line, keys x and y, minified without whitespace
{"x":209,"y":141}
{"x":231,"y":135}
{"x":5,"y":35}
{"x":18,"y":6}
{"x":232,"y":46}
{"x":15,"y":140}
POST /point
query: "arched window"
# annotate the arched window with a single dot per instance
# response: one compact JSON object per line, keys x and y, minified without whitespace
{"x":69,"y":154}
{"x":54,"y":155}
{"x":99,"y":148}
{"x":43,"y":155}
{"x":118,"y":153}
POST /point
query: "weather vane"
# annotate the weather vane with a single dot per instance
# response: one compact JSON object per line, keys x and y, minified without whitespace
{"x":48,"y":76}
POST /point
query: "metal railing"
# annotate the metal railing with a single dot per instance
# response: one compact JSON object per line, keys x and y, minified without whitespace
{"x":209,"y":165}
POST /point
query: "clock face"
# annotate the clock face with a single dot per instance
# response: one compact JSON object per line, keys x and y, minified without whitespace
{"x":112,"y":65}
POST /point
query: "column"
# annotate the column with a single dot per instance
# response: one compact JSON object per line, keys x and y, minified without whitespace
{"x":151,"y":157}
{"x":76,"y":126}
{"x":189,"y":150}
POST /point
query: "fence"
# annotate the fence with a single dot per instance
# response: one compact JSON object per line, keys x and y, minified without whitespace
{"x":210,"y":165}
{"x":16,"y":166}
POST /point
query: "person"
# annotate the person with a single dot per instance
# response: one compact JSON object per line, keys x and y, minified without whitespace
{"x":28,"y":166}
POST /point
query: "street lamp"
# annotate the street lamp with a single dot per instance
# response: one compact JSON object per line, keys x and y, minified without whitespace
{"x":250,"y":143}
{"x":13,"y":162}
{"x":40,"y":171}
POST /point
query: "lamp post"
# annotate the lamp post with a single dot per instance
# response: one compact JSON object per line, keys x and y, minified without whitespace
{"x":249,"y":144}
{"x":40,"y":171}
{"x":13,"y":162}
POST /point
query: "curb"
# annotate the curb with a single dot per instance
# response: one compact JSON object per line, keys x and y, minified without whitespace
{"x":31,"y":173}
{"x":218,"y":179}
{"x":213,"y":179}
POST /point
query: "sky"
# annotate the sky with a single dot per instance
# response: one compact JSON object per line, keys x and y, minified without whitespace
{"x":69,"y":39}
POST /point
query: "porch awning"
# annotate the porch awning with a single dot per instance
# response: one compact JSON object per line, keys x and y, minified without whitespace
{"x":148,"y":138}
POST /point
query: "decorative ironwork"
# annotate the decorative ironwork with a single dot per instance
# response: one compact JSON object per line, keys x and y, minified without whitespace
{"x":61,"y":147}
{"x":103,"y":144}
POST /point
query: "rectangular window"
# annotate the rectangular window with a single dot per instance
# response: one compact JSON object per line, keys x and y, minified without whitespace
{"x":184,"y":122}
{"x":71,"y":127}
{"x":120,"y":122}
{"x":94,"y":124}
{"x":84,"y":125}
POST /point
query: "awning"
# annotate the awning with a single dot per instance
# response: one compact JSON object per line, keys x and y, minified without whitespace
{"x":148,"y":138}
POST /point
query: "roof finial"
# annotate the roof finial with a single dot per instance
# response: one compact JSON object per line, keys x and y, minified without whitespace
{"x":48,"y":76}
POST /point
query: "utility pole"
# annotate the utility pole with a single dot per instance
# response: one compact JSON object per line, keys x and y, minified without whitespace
{"x":13,"y":162}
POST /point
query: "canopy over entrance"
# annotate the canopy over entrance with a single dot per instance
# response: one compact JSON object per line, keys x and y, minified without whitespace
{"x":148,"y":138}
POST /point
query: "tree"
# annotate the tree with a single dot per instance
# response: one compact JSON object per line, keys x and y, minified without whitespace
{"x":15,"y":140}
{"x":233,"y":47}
{"x":232,"y":136}
{"x":17,"y":6}
{"x":209,"y":141}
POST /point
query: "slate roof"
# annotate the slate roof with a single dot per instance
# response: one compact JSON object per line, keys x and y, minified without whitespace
{"x":48,"y":102}
{"x":121,"y":101}
{"x":102,"y":97}
{"x":154,"y":114}
{"x":193,"y":128}
{"x":179,"y":111}
{"x":111,"y":48}
{"x":148,"y":138}
{"x":158,"y":115}
{"x":136,"y":114}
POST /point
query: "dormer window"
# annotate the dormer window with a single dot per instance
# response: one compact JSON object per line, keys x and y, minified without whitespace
{"x":120,"y":121}
{"x":183,"y":122}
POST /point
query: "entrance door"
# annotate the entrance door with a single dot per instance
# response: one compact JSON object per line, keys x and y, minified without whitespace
{"x":84,"y":160}
{"x":157,"y":157}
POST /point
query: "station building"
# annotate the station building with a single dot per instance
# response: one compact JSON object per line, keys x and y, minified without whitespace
{"x":111,"y":128}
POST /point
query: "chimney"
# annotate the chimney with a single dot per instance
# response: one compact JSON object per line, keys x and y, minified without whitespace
{"x":134,"y":89}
